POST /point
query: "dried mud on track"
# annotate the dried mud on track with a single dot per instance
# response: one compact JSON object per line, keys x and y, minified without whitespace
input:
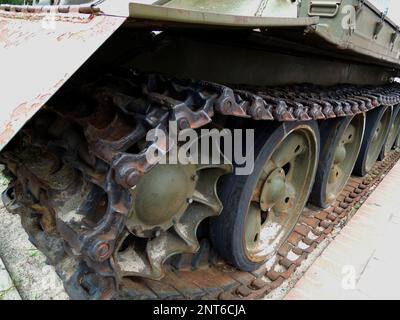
{"x":30,"y":276}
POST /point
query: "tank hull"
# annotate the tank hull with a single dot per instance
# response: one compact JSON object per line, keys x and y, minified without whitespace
{"x":341,"y":29}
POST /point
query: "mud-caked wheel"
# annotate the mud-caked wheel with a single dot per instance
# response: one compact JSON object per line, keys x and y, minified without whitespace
{"x":393,"y":133}
{"x":262,"y":208}
{"x":341,"y":140}
{"x":376,"y":131}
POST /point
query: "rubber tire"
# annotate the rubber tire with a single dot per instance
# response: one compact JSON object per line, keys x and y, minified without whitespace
{"x":395,"y":112}
{"x":235,"y":193}
{"x":331,"y":131}
{"x":372,"y":120}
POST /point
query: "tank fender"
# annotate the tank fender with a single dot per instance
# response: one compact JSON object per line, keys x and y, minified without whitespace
{"x":39,"y":51}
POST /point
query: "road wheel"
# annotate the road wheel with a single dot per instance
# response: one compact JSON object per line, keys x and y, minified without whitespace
{"x":261,"y":209}
{"x":376,"y":131}
{"x":341,"y":140}
{"x":393,"y":132}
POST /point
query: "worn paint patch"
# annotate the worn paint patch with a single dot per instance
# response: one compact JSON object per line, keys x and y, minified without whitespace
{"x":38,"y":53}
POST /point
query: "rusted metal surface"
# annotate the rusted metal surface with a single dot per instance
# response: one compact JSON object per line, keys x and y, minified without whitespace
{"x":39,"y":51}
{"x":75,"y":164}
{"x":35,"y":9}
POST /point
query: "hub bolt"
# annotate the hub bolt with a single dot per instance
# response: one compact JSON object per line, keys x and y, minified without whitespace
{"x":102,"y":250}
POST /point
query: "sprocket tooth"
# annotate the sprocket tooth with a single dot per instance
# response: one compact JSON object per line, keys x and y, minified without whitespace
{"x":200,"y":197}
{"x":132,"y":263}
{"x":187,"y":226}
{"x":181,"y":238}
{"x":206,"y":204}
{"x":160,"y":249}
{"x":206,"y":194}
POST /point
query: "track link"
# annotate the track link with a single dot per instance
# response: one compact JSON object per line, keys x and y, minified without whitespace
{"x":87,"y":152}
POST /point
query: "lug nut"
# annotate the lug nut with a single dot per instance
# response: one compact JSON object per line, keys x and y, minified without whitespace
{"x":103,"y":250}
{"x":183,"y":123}
{"x":132,"y":179}
{"x":227,"y":106}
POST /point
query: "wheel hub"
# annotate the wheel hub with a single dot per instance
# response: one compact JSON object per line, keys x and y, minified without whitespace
{"x":161,"y":197}
{"x":273,"y":189}
{"x":169,"y":203}
{"x":340,"y":154}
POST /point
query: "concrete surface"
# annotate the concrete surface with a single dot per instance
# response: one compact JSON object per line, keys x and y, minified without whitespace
{"x":7,"y":287}
{"x":25,"y":271}
{"x":363,"y":260}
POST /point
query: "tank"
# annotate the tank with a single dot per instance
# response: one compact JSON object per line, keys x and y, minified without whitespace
{"x":192,"y":149}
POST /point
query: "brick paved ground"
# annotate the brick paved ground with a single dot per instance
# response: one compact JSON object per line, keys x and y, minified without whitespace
{"x":363,"y":260}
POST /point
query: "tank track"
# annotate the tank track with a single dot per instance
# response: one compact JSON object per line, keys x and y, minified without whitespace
{"x":89,"y":148}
